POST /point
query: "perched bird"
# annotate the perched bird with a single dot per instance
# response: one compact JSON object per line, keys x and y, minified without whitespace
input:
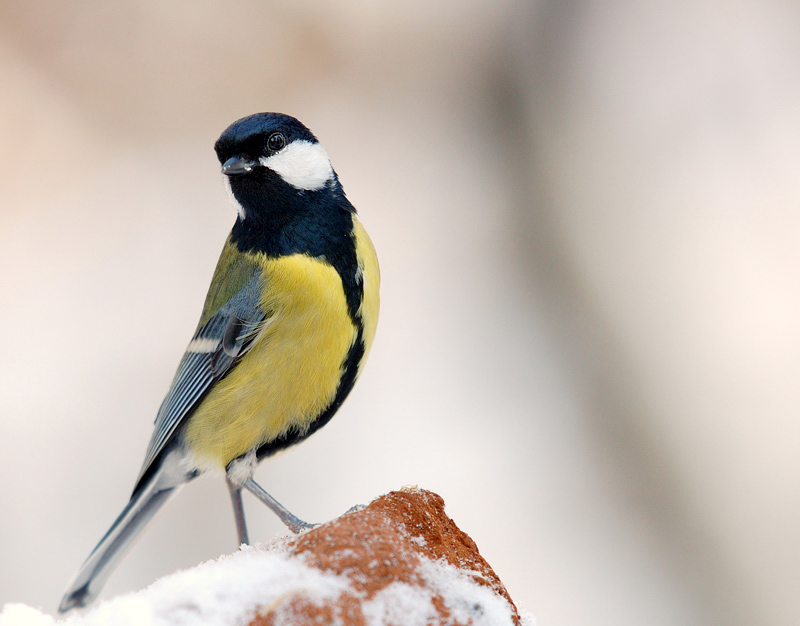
{"x":284,"y":333}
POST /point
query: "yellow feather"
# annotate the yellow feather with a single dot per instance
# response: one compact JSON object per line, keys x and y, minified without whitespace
{"x":292,"y":371}
{"x":368,"y":264}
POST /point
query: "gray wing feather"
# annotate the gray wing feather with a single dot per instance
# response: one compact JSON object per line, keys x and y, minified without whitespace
{"x":232,"y":328}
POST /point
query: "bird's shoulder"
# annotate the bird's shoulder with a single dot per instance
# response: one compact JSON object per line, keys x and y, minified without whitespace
{"x":234,"y":270}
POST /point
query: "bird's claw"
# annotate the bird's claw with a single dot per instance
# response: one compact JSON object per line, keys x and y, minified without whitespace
{"x":301,"y":527}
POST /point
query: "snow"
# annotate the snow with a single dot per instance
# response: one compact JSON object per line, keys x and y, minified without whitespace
{"x":23,"y":615}
{"x":232,"y":589}
{"x":465,"y":599}
{"x":227,"y":591}
{"x":402,"y":604}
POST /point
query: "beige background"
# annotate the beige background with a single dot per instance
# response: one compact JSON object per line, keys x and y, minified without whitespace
{"x":587,"y":219}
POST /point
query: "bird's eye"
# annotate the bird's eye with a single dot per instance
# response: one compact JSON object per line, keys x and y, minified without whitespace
{"x":276,"y":141}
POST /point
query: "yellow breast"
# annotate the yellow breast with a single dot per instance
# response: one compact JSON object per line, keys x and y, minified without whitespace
{"x":292,"y":371}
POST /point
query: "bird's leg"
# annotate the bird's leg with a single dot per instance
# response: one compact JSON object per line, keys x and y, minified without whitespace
{"x":295,"y":524}
{"x":236,"y":473}
{"x":238,"y":512}
{"x":239,"y":473}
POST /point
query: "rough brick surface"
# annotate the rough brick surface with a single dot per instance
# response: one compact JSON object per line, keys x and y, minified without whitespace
{"x":387,"y":551}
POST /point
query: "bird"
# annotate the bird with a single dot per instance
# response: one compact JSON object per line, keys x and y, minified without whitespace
{"x":284,"y":333}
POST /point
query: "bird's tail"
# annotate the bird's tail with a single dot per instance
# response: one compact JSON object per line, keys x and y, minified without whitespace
{"x":137,"y":514}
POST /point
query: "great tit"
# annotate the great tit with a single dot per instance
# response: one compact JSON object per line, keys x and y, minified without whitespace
{"x":284,"y":333}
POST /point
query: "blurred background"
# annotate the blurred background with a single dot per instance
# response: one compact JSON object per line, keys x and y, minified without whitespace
{"x":587,"y":217}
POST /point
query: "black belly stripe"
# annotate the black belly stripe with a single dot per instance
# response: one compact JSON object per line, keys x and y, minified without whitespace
{"x":346,"y":266}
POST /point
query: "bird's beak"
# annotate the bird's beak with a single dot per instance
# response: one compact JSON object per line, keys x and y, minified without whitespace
{"x":238,"y":165}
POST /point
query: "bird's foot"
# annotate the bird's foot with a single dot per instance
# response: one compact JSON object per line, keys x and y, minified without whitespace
{"x":300,"y":526}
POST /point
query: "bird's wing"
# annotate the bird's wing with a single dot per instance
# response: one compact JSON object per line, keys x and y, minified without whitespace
{"x":222,"y":338}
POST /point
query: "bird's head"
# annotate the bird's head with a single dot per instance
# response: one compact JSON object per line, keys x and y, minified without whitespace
{"x":269,"y":159}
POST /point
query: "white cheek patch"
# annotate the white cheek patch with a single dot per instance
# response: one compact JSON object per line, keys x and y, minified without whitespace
{"x":302,"y":164}
{"x":239,"y":207}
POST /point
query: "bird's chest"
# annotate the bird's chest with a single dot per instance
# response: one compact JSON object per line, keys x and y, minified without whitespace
{"x":293,"y":369}
{"x":308,"y":331}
